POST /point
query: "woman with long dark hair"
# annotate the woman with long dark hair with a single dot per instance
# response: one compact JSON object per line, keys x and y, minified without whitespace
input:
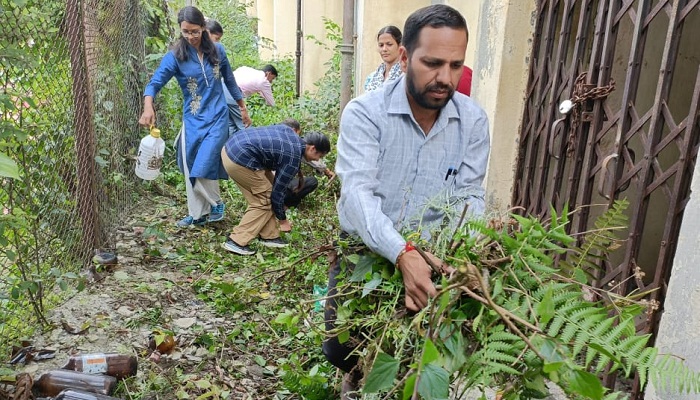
{"x":198,"y":64}
{"x":388,"y":42}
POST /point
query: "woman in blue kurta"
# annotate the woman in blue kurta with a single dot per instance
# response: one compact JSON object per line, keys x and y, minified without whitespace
{"x":199,"y":65}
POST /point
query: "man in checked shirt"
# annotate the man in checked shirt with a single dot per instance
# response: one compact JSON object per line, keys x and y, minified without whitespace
{"x":249,"y":158}
{"x":410,"y":156}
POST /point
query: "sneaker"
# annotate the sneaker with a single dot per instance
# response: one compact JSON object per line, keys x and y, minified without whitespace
{"x":236,"y":248}
{"x":189,"y":220}
{"x":217,"y":212}
{"x":276,"y":242}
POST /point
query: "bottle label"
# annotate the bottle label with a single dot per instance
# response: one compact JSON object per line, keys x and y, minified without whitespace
{"x":94,"y":364}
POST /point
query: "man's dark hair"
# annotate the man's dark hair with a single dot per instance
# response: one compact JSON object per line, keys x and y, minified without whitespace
{"x":292,"y":123}
{"x":318,"y":140}
{"x":213,"y":26}
{"x":434,"y":16}
{"x":269,"y":68}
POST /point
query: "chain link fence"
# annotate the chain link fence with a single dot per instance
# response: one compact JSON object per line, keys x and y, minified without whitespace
{"x":71,"y":78}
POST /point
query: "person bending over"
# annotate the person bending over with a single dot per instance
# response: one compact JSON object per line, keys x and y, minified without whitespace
{"x":249,"y":158}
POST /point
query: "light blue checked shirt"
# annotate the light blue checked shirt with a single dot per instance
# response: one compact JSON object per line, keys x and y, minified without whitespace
{"x":394,"y":176}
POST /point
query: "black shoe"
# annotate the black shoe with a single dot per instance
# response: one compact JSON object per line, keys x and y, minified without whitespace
{"x":236,"y":248}
{"x":276,"y":242}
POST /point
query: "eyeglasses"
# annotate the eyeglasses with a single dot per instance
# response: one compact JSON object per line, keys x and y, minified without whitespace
{"x":197,"y":33}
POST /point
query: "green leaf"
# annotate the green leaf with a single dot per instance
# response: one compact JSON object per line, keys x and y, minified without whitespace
{"x":371,"y":285}
{"x":8,"y":168}
{"x":226,"y":288}
{"x":548,"y":348}
{"x":434,"y":383}
{"x":362,"y":268}
{"x":382,"y":375}
{"x":343,"y":337}
{"x":552,"y":367}
{"x":580,"y":276}
{"x":408,"y":388}
{"x":538,"y":384}
{"x":259,"y":360}
{"x":586,"y":384}
{"x":546,"y":307}
{"x":202,"y":384}
{"x":604,"y":351}
{"x":430,"y":352}
{"x":101,"y":161}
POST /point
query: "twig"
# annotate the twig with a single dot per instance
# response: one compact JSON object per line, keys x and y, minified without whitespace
{"x":504,"y":316}
{"x":398,"y":385}
{"x":499,"y":309}
{"x":496,"y":262}
{"x":314,"y":254}
{"x":435,"y":268}
{"x":459,"y":224}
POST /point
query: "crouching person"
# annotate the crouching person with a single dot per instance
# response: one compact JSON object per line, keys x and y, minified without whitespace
{"x":250,"y":157}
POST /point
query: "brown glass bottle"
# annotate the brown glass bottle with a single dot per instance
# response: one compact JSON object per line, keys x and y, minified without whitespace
{"x":112,"y":364}
{"x":53,"y":382}
{"x":72,"y":394}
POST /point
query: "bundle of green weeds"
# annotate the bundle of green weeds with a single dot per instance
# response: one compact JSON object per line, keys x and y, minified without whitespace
{"x":519,"y":311}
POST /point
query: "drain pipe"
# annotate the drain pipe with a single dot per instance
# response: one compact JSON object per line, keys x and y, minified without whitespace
{"x":347,"y":51}
{"x":300,"y":35}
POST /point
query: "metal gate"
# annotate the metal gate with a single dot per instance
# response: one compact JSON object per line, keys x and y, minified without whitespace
{"x":632,"y":71}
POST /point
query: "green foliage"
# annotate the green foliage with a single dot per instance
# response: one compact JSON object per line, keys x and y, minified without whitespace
{"x":509,"y":319}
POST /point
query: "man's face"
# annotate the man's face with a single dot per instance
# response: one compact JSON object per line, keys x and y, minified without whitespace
{"x":434,"y":68}
{"x":270,"y":76}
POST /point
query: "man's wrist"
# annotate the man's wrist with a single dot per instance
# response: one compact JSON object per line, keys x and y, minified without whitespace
{"x":409,"y":247}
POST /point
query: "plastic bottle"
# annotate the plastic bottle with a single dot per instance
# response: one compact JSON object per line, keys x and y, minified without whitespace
{"x":54,"y":382}
{"x":73,"y":394}
{"x":150,"y":156}
{"x":113,"y":364}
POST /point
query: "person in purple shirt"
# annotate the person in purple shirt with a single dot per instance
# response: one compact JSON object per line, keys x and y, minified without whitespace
{"x":249,"y":158}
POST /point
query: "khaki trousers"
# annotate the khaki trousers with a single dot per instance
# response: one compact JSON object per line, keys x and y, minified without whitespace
{"x":256,"y":187}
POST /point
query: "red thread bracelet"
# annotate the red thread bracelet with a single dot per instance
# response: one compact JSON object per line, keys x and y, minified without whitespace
{"x":409,"y":247}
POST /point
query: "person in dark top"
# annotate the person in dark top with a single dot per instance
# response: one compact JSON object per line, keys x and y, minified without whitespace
{"x":301,"y":187}
{"x":249,"y":158}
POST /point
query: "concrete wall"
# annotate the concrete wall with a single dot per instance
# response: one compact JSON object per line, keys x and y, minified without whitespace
{"x":501,"y":42}
{"x":278,"y":22}
{"x":679,"y":331}
{"x":500,"y":33}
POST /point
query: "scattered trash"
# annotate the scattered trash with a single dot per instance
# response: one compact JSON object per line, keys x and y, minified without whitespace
{"x":28,"y":353}
{"x":112,"y":364}
{"x":72,"y":394}
{"x":54,"y":382}
{"x":104,"y":258}
{"x":161,"y":341}
{"x":320,"y":292}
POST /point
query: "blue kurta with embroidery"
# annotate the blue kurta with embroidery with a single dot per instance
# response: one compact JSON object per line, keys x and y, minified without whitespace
{"x":205,"y":113}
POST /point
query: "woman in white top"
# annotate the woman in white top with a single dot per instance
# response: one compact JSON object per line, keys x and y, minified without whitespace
{"x":388,"y":42}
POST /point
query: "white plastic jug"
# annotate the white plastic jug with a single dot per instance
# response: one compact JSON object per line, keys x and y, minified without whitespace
{"x":150,"y":157}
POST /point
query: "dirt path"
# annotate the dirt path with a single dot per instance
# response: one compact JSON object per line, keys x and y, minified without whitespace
{"x":151,"y":288}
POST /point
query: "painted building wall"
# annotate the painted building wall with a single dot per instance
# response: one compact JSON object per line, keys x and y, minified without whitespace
{"x":500,"y":33}
{"x":277,"y":21}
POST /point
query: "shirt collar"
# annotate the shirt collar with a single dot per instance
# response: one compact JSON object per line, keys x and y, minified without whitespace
{"x":397,"y":100}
